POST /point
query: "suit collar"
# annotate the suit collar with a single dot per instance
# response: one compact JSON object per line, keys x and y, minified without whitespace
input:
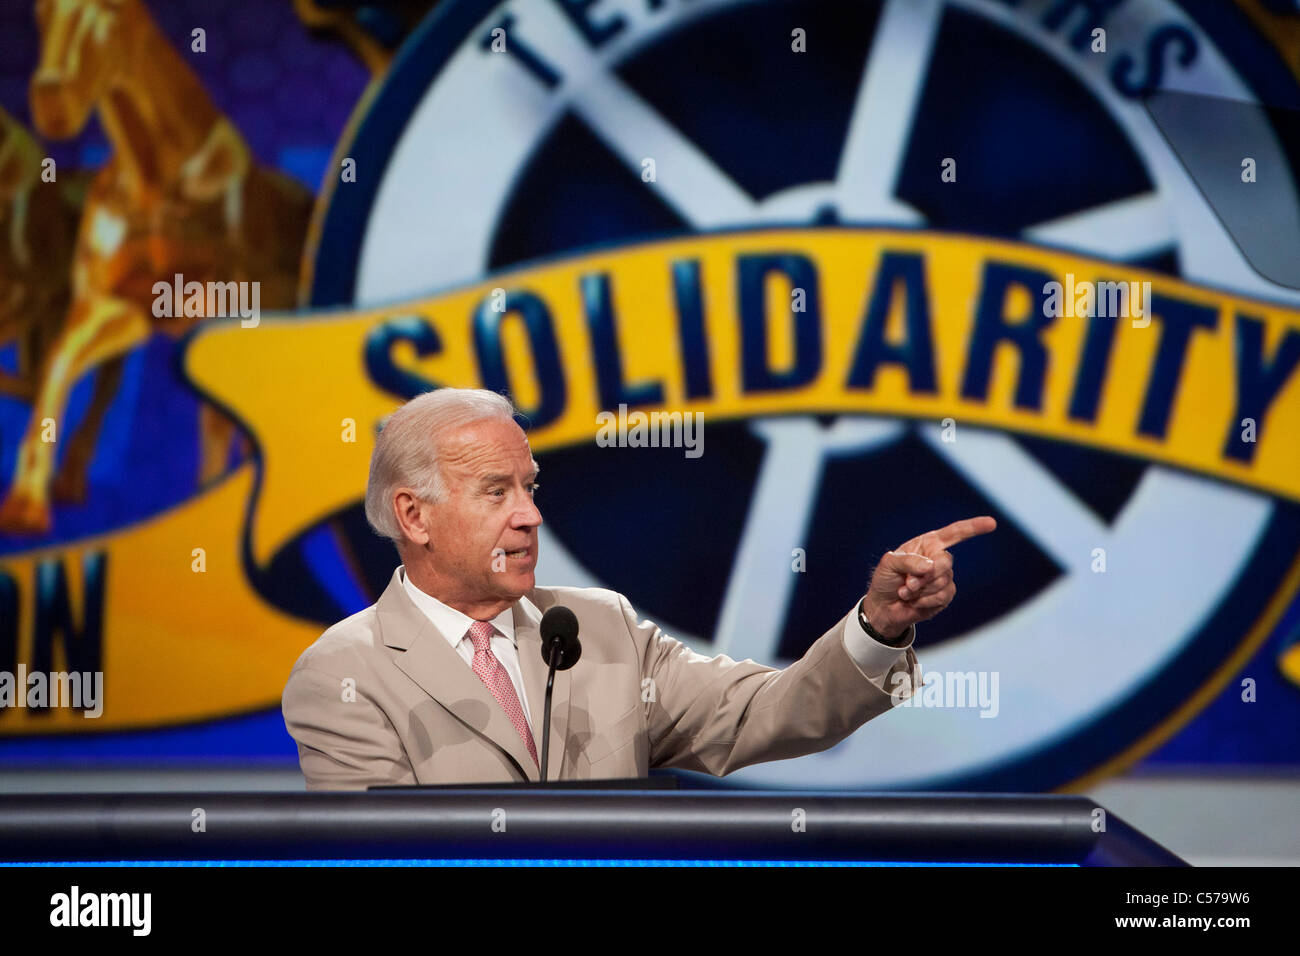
{"x":432,"y":663}
{"x":447,"y":621}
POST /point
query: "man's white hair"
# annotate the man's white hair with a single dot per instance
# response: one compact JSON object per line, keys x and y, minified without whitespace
{"x":408,"y":448}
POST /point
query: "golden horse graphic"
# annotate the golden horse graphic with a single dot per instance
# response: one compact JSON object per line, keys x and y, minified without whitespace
{"x":36,"y":233}
{"x":38,"y":226}
{"x":180,"y":195}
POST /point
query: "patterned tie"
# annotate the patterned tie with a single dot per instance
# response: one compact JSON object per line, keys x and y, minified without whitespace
{"x":494,"y":676}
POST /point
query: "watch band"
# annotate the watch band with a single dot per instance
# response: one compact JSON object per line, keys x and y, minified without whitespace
{"x":876,"y":635}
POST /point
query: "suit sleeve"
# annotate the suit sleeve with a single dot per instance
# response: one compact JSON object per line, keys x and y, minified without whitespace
{"x":343,"y":744}
{"x":716,"y":714}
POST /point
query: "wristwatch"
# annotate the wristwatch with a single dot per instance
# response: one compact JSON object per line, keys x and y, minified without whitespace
{"x":876,"y":635}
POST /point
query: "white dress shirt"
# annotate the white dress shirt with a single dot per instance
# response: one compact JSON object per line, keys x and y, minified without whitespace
{"x":873,"y":658}
{"x":454,"y":628}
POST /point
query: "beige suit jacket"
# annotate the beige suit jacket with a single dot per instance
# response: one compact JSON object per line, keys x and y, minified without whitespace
{"x":382,"y":698}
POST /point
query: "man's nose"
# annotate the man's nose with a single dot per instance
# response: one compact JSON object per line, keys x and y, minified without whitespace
{"x":528,"y":515}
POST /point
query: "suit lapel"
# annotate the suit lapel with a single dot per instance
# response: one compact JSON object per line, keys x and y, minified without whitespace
{"x":434,"y":665}
{"x":528,"y":636}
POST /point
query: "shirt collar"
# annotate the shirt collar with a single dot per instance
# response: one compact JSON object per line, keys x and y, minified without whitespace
{"x":449,"y":622}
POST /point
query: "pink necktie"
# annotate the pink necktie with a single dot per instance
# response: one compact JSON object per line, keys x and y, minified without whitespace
{"x":494,"y":676}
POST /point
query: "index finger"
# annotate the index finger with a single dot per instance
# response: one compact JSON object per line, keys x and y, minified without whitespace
{"x":959,"y":531}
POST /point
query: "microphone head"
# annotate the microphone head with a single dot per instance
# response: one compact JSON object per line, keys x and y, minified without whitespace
{"x":560,"y":630}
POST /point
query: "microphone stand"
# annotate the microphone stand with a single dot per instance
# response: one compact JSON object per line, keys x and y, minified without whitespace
{"x":553,"y":659}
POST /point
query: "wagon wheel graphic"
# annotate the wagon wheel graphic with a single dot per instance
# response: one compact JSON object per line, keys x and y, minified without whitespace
{"x":1076,"y":656}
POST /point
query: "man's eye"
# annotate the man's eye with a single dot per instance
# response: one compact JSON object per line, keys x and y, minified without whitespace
{"x":532,"y":489}
{"x":498,"y":491}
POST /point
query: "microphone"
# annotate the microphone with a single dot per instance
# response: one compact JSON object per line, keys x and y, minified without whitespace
{"x":560,"y":651}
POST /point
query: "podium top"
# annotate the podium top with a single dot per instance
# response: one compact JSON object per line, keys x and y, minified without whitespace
{"x":561,"y":822}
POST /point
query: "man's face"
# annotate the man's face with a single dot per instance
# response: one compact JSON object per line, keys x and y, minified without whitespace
{"x":483,"y":534}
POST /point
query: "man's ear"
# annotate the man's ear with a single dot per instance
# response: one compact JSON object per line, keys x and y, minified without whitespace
{"x":412,"y":516}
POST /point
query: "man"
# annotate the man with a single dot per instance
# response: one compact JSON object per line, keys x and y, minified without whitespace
{"x":442,"y":680}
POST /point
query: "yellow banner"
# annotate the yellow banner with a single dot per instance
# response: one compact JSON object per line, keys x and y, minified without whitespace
{"x":924,"y":325}
{"x":183,"y":636}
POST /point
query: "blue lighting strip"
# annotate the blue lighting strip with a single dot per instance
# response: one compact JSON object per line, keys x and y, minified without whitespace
{"x":486,"y":862}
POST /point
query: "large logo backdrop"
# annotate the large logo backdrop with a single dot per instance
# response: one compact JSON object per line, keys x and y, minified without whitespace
{"x":644,"y":185}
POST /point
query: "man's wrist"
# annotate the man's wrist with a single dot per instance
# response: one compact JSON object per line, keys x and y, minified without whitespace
{"x":882,"y":633}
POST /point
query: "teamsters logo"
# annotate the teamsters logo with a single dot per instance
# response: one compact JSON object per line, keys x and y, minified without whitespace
{"x":642,"y":218}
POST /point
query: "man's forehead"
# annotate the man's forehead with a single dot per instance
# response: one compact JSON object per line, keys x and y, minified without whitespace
{"x":482,"y":449}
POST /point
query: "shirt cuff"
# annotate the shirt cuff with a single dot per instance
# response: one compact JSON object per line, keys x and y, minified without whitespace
{"x":873,"y":658}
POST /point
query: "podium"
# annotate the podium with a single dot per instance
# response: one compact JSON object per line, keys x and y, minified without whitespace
{"x":557,"y":823}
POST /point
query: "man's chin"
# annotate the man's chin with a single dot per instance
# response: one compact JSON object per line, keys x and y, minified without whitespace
{"x":518,"y":584}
